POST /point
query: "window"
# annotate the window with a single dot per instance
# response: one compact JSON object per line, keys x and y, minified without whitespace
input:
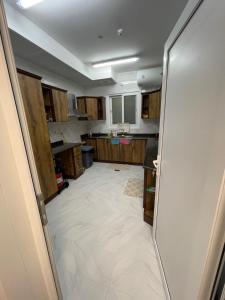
{"x":123,"y":109}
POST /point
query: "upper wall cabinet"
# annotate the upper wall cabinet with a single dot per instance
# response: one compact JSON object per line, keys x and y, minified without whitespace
{"x":56,"y":103}
{"x":94,"y":107}
{"x":151,"y":105}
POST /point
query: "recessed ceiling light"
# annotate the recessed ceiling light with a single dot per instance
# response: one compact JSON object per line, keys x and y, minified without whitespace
{"x":27,"y":3}
{"x":116,"y":62}
{"x":119,"y":31}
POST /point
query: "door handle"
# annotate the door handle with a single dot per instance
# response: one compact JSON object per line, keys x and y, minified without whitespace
{"x":156,"y":164}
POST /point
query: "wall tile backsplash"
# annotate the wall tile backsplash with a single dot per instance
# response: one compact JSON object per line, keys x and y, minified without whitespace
{"x":145,"y":126}
{"x":67,"y":131}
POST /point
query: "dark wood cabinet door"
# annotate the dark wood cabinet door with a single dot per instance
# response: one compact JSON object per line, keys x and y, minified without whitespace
{"x":103,"y":149}
{"x":114,"y":152}
{"x":60,"y":105}
{"x":126,"y":152}
{"x":151,"y":105}
{"x":154,"y":105}
{"x":92,"y":108}
{"x":138,"y":153}
{"x":36,"y":120}
{"x":78,"y":163}
{"x":81,"y":105}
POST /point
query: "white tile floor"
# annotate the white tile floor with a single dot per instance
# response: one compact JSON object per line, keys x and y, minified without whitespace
{"x":103,"y":248}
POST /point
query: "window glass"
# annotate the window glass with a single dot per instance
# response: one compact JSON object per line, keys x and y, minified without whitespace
{"x":130,"y":109}
{"x":116,"y":109}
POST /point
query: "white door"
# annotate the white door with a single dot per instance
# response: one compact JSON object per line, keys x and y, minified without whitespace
{"x":25,"y":270}
{"x":192,"y":148}
{"x":18,"y":106}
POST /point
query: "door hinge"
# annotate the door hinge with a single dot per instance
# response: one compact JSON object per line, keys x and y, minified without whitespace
{"x":42,"y":210}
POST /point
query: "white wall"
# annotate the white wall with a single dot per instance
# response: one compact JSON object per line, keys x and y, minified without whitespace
{"x":69,"y":131}
{"x":144,"y":126}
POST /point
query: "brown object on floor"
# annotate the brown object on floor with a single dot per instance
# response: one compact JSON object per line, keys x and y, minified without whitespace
{"x":134,"y":187}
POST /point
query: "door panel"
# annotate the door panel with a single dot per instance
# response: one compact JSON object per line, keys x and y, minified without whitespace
{"x":102,"y":149}
{"x":138,"y":154}
{"x":81,"y":105}
{"x":92,"y":108}
{"x":193,"y":147}
{"x":154,"y":105}
{"x":126,"y":152}
{"x":60,"y":103}
{"x":114,"y":152}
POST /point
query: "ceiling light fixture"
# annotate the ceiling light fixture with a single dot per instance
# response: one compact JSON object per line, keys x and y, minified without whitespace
{"x":27,"y":3}
{"x":128,"y":82}
{"x":116,"y":62}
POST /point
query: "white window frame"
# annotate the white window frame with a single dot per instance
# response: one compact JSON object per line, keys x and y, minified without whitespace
{"x":137,"y":115}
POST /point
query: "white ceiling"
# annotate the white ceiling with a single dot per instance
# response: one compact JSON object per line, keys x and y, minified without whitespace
{"x":24,"y":49}
{"x":76,"y":24}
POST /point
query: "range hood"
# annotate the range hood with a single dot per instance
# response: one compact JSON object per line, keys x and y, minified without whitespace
{"x":79,"y":115}
{"x":73,"y":112}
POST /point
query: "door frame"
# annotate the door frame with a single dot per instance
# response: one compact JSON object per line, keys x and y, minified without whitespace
{"x":217,"y":237}
{"x":22,"y":127}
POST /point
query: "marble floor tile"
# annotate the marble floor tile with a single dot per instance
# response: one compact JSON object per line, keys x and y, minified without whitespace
{"x":103,"y":248}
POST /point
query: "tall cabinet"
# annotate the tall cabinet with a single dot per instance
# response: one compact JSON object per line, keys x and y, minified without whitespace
{"x":33,"y":101}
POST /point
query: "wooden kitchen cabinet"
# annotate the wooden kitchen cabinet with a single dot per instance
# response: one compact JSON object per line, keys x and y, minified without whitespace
{"x":126,"y":153}
{"x":30,"y":86}
{"x":56,"y":103}
{"x":81,"y":104}
{"x":71,"y":161}
{"x":78,"y":163}
{"x":94,"y":107}
{"x":133,"y":153}
{"x":103,"y":149}
{"x":114,"y":152}
{"x":138,"y":151}
{"x":151,"y":105}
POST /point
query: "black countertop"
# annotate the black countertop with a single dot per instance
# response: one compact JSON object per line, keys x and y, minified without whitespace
{"x":151,"y":153}
{"x":133,"y":135}
{"x":63,"y":147}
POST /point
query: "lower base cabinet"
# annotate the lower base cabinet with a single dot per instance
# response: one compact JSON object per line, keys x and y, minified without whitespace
{"x":126,"y":152}
{"x":138,"y":151}
{"x":133,"y":153}
{"x":71,"y":160}
{"x":78,"y":163}
{"x":103,"y":149}
{"x":114,"y":152}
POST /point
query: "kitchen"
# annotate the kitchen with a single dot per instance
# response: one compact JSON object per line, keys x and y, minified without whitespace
{"x":99,"y":136}
{"x":62,"y":125}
